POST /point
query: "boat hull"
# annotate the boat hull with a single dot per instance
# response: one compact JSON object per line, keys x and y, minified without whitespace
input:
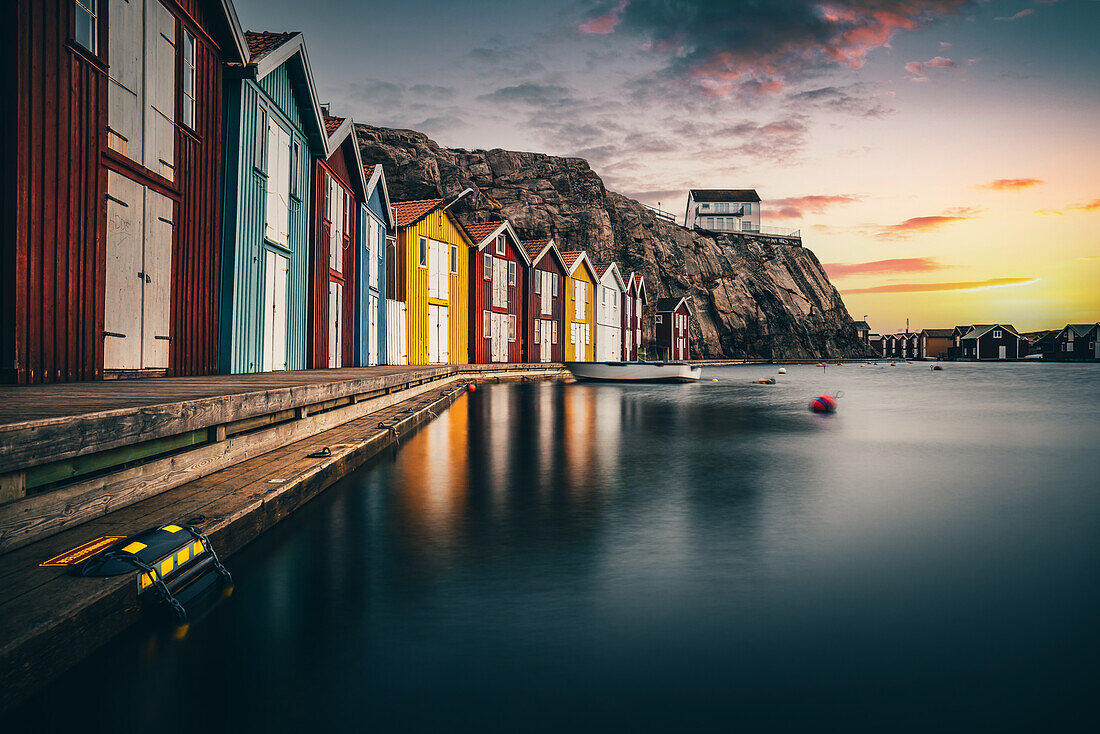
{"x":634,"y":371}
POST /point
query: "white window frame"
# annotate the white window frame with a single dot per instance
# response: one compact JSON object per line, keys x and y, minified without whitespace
{"x":454,"y":259}
{"x":423,"y":252}
{"x":512,"y":273}
{"x":188,"y":111}
{"x":486,"y":325}
{"x":501,"y":245}
{"x":538,"y":282}
{"x":511,"y":327}
{"x":555,"y":281}
{"x":997,"y":334}
{"x":487,"y":267}
{"x":538,"y":331}
{"x":659,"y":319}
{"x":553,"y":332}
{"x":91,"y":12}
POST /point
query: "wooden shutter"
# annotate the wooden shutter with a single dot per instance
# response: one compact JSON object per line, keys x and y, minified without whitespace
{"x":276,"y":269}
{"x":335,"y":299}
{"x":157,"y":293}
{"x":160,"y":89}
{"x":126,"y":86}
{"x":122,"y":297}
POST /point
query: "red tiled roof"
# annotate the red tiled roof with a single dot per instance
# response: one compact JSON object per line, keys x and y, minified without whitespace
{"x":260,"y":44}
{"x":571,"y":257}
{"x":408,"y":212}
{"x":601,"y":268}
{"x":478,"y":231}
{"x":534,"y":247}
{"x":368,"y":171}
{"x":332,"y":124}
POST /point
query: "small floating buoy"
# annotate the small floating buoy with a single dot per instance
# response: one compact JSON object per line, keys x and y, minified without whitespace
{"x":766,"y":381}
{"x":471,"y":387}
{"x":937,"y":367}
{"x":823,"y":404}
{"x":782,"y":370}
{"x":714,"y":379}
{"x":820,"y":364}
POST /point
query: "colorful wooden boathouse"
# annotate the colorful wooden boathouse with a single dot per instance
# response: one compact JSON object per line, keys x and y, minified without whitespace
{"x":671,"y":328}
{"x":375,"y":223}
{"x":338,"y":193}
{"x":432,"y":263}
{"x":579,"y":311}
{"x":634,"y":301}
{"x":609,"y":317}
{"x":498,"y":293}
{"x":545,"y":320}
{"x":274,"y":128}
{"x":111,"y":181}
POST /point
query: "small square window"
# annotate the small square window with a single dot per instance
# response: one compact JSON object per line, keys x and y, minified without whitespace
{"x":423,"y":252}
{"x":997,"y":334}
{"x":454,"y":258}
{"x":501,"y":245}
{"x":658,"y":319}
{"x":511,"y":273}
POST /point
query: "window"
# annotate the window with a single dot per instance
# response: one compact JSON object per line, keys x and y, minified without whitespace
{"x":538,"y":282}
{"x":511,"y":273}
{"x":553,"y":332}
{"x":261,"y":139}
{"x":587,"y":334}
{"x":423,"y":252}
{"x":722,"y":208}
{"x":454,"y":258}
{"x":277,"y":159}
{"x":501,"y":245}
{"x":488,"y":267}
{"x":704,"y":206}
{"x":996,"y":333}
{"x":555,"y":281}
{"x":188,"y":112}
{"x":658,"y":319}
{"x":486,"y":325}
{"x":295,"y":169}
{"x":538,"y":331}
{"x":511,"y":327}
{"x":87,"y":24}
{"x":1069,"y":335}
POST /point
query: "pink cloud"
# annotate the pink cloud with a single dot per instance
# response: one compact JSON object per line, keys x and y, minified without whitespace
{"x":896,"y":265}
{"x":792,"y":207}
{"x":605,"y":23}
{"x":919,"y":68}
{"x":1010,"y":184}
{"x":1022,"y":14}
{"x":971,"y":285}
{"x":914,"y":225}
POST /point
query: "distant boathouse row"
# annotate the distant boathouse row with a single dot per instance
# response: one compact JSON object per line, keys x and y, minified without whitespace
{"x":180,"y":203}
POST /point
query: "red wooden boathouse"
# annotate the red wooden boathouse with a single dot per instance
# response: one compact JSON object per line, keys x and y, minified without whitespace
{"x":545,"y":321}
{"x":498,"y":297}
{"x":112,"y":186}
{"x":339,"y":188}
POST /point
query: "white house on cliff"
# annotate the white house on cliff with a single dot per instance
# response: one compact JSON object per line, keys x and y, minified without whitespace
{"x":723,"y":210}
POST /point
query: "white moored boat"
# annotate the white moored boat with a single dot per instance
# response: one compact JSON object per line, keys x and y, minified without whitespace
{"x":635,"y":371}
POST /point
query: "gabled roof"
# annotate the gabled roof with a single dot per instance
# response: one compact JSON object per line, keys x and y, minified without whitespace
{"x":374,"y":176}
{"x":268,"y":51}
{"x":732,"y":195}
{"x":979,"y":331}
{"x":537,"y":249}
{"x":240,"y":44}
{"x":482,"y":233}
{"x":574,"y":259}
{"x":338,"y":129}
{"x":938,"y":333}
{"x":1080,"y":329}
{"x":861,"y":325}
{"x":670,"y":304}
{"x":637,"y":279}
{"x":408,"y":213}
{"x":602,"y":270}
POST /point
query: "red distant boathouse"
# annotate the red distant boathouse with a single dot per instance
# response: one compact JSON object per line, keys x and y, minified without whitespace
{"x":498,"y":297}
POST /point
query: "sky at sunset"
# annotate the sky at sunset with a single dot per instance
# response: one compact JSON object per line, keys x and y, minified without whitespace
{"x":942,"y":158}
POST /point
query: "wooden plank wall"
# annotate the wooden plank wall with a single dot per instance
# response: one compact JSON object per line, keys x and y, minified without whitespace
{"x":52,"y":257}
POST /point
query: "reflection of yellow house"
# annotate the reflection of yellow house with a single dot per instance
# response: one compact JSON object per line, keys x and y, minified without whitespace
{"x":432,"y":278}
{"x":580,"y":311}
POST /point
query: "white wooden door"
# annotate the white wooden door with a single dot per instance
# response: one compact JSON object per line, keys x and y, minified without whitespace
{"x":157,"y":286}
{"x":545,"y":347}
{"x":437,"y":334}
{"x":124,"y":278}
{"x":372,"y":334}
{"x":1002,"y":352}
{"x":335,"y":302}
{"x":276,"y":268}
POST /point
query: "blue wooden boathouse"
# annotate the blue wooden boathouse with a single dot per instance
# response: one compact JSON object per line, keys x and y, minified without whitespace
{"x":375,"y":225}
{"x":273,"y":129}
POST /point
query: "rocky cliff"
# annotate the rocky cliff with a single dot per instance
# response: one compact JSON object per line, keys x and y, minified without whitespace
{"x":752,"y":296}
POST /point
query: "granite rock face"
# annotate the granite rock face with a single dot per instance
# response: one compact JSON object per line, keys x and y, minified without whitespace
{"x":752,"y":296}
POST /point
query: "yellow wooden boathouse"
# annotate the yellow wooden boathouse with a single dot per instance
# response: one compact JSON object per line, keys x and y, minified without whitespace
{"x":580,"y":316}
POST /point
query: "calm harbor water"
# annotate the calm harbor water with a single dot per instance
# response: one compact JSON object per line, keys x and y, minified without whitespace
{"x":679,"y":558}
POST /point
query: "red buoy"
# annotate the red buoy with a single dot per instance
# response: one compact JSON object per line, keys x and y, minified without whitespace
{"x":823,"y":404}
{"x":471,"y":387}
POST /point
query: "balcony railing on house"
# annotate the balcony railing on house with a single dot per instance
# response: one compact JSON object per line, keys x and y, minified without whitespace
{"x":661,"y":213}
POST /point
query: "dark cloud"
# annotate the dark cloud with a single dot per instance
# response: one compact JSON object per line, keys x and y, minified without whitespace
{"x":746,"y":47}
{"x":852,"y":99}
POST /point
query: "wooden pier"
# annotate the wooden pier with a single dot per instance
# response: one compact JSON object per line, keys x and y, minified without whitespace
{"x":124,"y":456}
